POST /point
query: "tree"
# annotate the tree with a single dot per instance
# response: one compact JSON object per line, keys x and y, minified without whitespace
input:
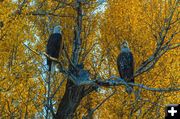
{"x":92,"y":31}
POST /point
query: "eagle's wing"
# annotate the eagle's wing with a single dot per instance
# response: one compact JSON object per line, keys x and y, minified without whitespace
{"x":53,"y":46}
{"x":125,"y":65}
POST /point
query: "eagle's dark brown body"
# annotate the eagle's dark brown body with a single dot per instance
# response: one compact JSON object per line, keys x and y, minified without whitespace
{"x":125,"y":63}
{"x":54,"y":46}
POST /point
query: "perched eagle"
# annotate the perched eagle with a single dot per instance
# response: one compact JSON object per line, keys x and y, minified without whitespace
{"x":54,"y":46}
{"x":125,"y":65}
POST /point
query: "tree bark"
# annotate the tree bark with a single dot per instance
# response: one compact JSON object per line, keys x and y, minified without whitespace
{"x":70,"y":101}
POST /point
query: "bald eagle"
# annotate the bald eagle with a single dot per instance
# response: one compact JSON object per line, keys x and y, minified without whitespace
{"x":125,"y":65}
{"x":54,"y":46}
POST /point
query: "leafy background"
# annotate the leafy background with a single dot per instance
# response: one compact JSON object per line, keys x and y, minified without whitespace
{"x":23,"y":73}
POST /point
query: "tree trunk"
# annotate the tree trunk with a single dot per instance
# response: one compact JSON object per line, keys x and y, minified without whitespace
{"x":70,"y":101}
{"x":73,"y":94}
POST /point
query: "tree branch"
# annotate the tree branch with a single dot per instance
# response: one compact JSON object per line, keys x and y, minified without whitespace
{"x":83,"y":79}
{"x":120,"y":81}
{"x":77,"y":33}
{"x":161,"y":47}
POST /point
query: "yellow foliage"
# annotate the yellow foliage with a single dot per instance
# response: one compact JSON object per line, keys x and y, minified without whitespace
{"x":23,"y":73}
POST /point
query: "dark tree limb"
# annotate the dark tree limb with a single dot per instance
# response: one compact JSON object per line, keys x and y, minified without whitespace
{"x":162,"y":46}
{"x":119,"y":81}
{"x":84,"y":80}
{"x":74,"y":90}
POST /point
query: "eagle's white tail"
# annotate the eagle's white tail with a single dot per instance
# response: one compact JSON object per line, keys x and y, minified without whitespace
{"x":53,"y":68}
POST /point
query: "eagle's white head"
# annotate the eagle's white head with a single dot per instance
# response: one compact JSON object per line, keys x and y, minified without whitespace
{"x":125,"y":47}
{"x":57,"y":29}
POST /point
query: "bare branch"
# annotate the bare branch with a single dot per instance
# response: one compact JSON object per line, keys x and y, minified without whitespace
{"x":173,"y":46}
{"x":77,"y":33}
{"x":83,"y":78}
{"x":120,"y":81}
{"x":161,"y":47}
{"x":45,"y":13}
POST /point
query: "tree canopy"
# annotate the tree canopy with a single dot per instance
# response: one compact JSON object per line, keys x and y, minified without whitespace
{"x":92,"y":31}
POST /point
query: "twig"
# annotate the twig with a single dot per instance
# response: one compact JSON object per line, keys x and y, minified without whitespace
{"x":99,"y":105}
{"x":58,"y":88}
